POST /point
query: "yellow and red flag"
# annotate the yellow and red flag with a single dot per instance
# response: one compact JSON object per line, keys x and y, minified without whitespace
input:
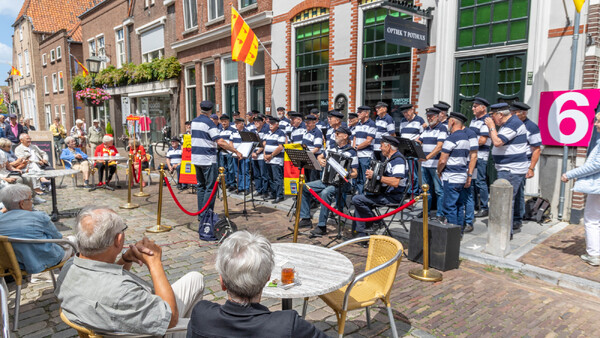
{"x":14,"y":71}
{"x":85,"y":71}
{"x":244,"y":43}
{"x":578,"y":5}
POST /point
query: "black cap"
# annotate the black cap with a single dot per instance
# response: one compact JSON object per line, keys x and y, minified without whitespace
{"x":344,"y":129}
{"x":442,"y":106}
{"x":432,"y":111}
{"x":239,"y":119}
{"x":273,"y":119}
{"x":280,"y":109}
{"x":214,"y":116}
{"x":459,"y":117}
{"x":381,"y":104}
{"x":481,"y":100}
{"x":364,"y":108}
{"x":336,"y":113}
{"x":516,"y":105}
{"x":206,"y":105}
{"x":403,"y":107}
{"x":254,"y":111}
{"x":314,"y":111}
{"x":391,"y":140}
{"x":352,"y":115}
{"x":310,"y":118}
{"x":294,"y":114}
{"x":499,"y":106}
{"x":224,"y":117}
{"x":187,"y":123}
{"x":258,"y":117}
{"x":236,"y":113}
{"x":175,"y":139}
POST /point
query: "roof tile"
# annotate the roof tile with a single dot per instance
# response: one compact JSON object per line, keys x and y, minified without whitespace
{"x":50,"y":16}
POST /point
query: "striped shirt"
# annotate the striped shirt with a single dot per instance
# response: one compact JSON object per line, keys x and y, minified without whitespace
{"x":262,"y":136}
{"x":361,"y":132}
{"x":204,"y":141}
{"x":284,"y":124}
{"x":298,"y":133}
{"x":330,"y":136}
{"x":474,"y":146}
{"x":457,"y":146}
{"x":272,"y":141}
{"x":227,"y":133}
{"x":385,"y":126}
{"x":430,"y":138}
{"x":313,"y":139}
{"x":346,"y":151}
{"x":512,"y":156}
{"x":411,"y":129}
{"x":174,"y":155}
{"x":251,"y":127}
{"x":396,"y":167}
{"x":479,"y":127}
{"x":236,"y":138}
{"x":534,"y":139}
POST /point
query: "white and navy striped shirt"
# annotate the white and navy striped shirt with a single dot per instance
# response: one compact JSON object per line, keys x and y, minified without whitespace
{"x":361,"y":132}
{"x":251,"y":127}
{"x":396,"y":167}
{"x":272,"y":141}
{"x":236,"y":138}
{"x":313,"y":139}
{"x":298,"y":133}
{"x":330,"y":136}
{"x":174,"y":155}
{"x":385,"y":127}
{"x":226,"y":133}
{"x":457,"y":146}
{"x":204,"y":141}
{"x":284,"y":124}
{"x":479,"y":127}
{"x":534,"y":138}
{"x":512,"y":156}
{"x":411,"y":129}
{"x":474,"y":143}
{"x":262,"y":136}
{"x":430,"y":138}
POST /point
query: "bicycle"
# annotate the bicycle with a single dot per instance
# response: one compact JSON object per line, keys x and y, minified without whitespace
{"x":161,"y":147}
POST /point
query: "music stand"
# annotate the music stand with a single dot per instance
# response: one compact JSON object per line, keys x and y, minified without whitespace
{"x":413,"y":151}
{"x":301,"y":159}
{"x":249,"y":137}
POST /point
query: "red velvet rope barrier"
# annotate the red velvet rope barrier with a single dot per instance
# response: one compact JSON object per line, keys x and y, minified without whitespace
{"x":212,"y":195}
{"x":137,"y":177}
{"x":369,"y":219}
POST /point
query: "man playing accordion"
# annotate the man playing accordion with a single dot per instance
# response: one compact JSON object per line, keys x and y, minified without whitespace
{"x":392,"y":180}
{"x":328,"y":191}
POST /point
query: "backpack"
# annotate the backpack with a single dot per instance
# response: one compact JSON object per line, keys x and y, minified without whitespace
{"x":206,"y":228}
{"x":537,"y":209}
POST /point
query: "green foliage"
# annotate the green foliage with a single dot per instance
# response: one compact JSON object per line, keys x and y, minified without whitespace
{"x":109,"y":129}
{"x":3,"y":109}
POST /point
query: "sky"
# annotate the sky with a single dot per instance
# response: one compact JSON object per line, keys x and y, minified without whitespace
{"x":9,"y":9}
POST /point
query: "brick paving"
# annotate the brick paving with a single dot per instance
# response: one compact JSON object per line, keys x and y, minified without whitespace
{"x":472,"y":300}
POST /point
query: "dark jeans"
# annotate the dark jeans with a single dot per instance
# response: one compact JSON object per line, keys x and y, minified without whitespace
{"x":227,"y":163}
{"x":454,"y":200}
{"x":275,"y":180}
{"x":469,"y":207}
{"x":206,"y":176}
{"x":363,"y":206}
{"x":516,"y":180}
{"x":481,"y":187}
{"x":243,"y":174}
{"x":102,"y":167}
{"x":363,"y":165}
{"x":414,"y":172}
{"x":261,"y":176}
{"x":435,"y":190}
{"x":327,"y":193}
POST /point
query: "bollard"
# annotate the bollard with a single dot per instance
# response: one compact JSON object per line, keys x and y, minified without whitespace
{"x":500,"y":221}
{"x":224,"y":188}
{"x":141,"y":193}
{"x":425,"y":274}
{"x":298,"y":204}
{"x":158,"y":227}
{"x":129,"y":205}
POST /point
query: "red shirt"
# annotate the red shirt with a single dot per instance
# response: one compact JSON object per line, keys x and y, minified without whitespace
{"x":139,"y":154}
{"x":102,"y":149}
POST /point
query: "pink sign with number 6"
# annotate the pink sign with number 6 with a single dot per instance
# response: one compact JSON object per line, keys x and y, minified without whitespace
{"x":567,"y":117}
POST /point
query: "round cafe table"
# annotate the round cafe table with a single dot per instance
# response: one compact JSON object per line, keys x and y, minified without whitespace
{"x":319,"y":270}
{"x":106,"y":160}
{"x":52,"y":175}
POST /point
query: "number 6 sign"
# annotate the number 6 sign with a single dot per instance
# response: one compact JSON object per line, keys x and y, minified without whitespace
{"x":566,"y":117}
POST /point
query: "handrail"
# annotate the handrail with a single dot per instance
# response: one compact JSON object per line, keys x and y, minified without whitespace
{"x":41,"y":241}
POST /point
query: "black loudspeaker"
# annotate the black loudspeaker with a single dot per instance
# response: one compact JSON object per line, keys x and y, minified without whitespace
{"x":444,"y":244}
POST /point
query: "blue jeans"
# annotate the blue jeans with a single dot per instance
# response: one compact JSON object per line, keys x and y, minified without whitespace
{"x":206,"y":175}
{"x":363,"y":206}
{"x":481,"y":187}
{"x":261,"y":182}
{"x":275,"y":172}
{"x":414,"y":171}
{"x":522,"y":198}
{"x":454,"y":200}
{"x":327,"y":193}
{"x":363,"y":165}
{"x":435,"y":188}
{"x":469,"y":207}
{"x":516,"y":180}
{"x":229,"y":170}
{"x":242,"y":173}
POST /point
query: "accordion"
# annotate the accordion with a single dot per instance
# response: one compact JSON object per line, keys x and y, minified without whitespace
{"x":374,"y":184}
{"x":330,"y":176}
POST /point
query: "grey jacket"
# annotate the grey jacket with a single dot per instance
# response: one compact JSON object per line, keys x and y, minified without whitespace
{"x":588,"y":175}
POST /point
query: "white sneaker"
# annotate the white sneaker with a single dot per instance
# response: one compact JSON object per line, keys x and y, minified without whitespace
{"x":591,"y":260}
{"x":38,"y":200}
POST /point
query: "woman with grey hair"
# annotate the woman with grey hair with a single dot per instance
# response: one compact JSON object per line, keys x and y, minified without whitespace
{"x":10,"y":172}
{"x":76,"y":159}
{"x":245,"y":262}
{"x":78,"y":132}
{"x":107,"y":148}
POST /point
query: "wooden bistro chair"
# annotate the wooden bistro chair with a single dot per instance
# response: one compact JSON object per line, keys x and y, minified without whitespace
{"x":10,"y":267}
{"x":374,"y":284}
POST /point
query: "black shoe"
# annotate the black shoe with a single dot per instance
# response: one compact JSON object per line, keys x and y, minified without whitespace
{"x":468,"y":228}
{"x":319,"y":232}
{"x":517,"y":230}
{"x":305,"y":223}
{"x":266,"y":195}
{"x":278,"y":199}
{"x":420,"y":215}
{"x":482,"y":213}
{"x":232,"y":188}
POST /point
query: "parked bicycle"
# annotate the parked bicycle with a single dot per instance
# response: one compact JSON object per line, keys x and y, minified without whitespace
{"x":161,"y":147}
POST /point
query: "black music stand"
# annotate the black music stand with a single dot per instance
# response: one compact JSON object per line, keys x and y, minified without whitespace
{"x":412,"y":151}
{"x":249,"y":137}
{"x":301,"y":159}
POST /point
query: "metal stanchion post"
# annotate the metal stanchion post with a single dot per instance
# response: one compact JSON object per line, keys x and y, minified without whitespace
{"x":129,"y":205}
{"x":141,"y":193}
{"x":298,"y":204}
{"x":425,"y":274}
{"x":158,"y":227}
{"x":224,"y":189}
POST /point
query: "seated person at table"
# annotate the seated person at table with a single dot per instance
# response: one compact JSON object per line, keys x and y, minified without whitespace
{"x":38,"y":159}
{"x":244,"y":263}
{"x":21,"y":222}
{"x":393,"y":182}
{"x":98,"y":291}
{"x":139,"y":156}
{"x":106,"y":149}
{"x":18,"y":163}
{"x":174,"y":160}
{"x":76,"y":159}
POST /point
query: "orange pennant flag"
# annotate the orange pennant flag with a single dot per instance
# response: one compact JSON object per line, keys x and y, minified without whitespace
{"x":244,"y":43}
{"x":14,"y":71}
{"x":85,"y":71}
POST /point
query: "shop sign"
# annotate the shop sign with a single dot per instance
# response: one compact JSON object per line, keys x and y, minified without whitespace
{"x":403,"y":32}
{"x":566,"y":117}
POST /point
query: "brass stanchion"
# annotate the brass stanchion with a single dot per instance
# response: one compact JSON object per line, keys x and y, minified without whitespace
{"x":141,"y":193}
{"x":298,"y":204}
{"x":425,"y":274}
{"x":224,"y":189}
{"x":159,"y":227}
{"x":129,"y":205}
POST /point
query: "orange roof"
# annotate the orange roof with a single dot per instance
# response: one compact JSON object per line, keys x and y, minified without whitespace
{"x":50,"y":15}
{"x":75,"y":32}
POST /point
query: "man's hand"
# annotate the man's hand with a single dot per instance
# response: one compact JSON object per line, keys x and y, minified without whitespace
{"x":78,"y":156}
{"x":323,"y":162}
{"x":150,"y":253}
{"x":564,"y":178}
{"x":468,"y":184}
{"x":239,"y":155}
{"x":254,"y":156}
{"x":489,"y":123}
{"x":369,"y":174}
{"x":11,"y":179}
{"x":268,"y":157}
{"x":529,"y":174}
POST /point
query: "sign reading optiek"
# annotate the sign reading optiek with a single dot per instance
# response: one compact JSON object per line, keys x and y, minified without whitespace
{"x":403,"y":32}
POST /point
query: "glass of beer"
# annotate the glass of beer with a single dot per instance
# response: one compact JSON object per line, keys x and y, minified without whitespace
{"x":287,"y":273}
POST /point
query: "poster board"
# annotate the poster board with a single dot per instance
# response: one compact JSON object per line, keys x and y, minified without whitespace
{"x":45,"y":141}
{"x":290,"y":173}
{"x":187,"y":171}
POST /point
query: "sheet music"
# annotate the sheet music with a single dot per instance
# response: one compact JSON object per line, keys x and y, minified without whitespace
{"x":338,"y":168}
{"x":245,"y":148}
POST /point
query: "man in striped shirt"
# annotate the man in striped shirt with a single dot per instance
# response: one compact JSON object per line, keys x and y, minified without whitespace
{"x":469,"y":209}
{"x":432,"y":140}
{"x":363,"y":143}
{"x":334,"y":119}
{"x":510,"y":153}
{"x":273,"y":144}
{"x":174,"y":160}
{"x":313,"y":140}
{"x":226,"y":159}
{"x":444,"y":107}
{"x":453,"y":169}
{"x":284,"y":122}
{"x":298,"y":127}
{"x":385,"y":126}
{"x":259,"y":168}
{"x":480,"y":106}
{"x":411,"y":126}
{"x":242,"y":172}
{"x":205,"y":139}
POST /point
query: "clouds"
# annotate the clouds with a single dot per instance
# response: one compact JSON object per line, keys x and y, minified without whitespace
{"x":5,"y":54}
{"x":10,"y":8}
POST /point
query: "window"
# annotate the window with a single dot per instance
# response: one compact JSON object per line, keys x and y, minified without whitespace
{"x":58,"y":52}
{"x":52,"y":55}
{"x":63,"y":114}
{"x":46,"y":85}
{"x":26,"y":56}
{"x":256,"y":83}
{"x":44,"y":59}
{"x":21,"y":33}
{"x":312,"y":60}
{"x":101,"y":51}
{"x":215,"y":9}
{"x":190,"y":11}
{"x":153,"y":43}
{"x":485,"y":23}
{"x":20,"y":64}
{"x":48,"y":111}
{"x":56,"y":111}
{"x":92,"y":47}
{"x":61,"y":86}
{"x":120,"y":39}
{"x":230,"y":86}
{"x":374,"y":45}
{"x":190,"y":85}
{"x":148,"y":3}
{"x":54,"y":83}
{"x":209,"y":82}
{"x":246,"y":3}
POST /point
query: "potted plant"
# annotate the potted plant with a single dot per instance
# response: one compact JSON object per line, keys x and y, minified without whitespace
{"x":93,"y":96}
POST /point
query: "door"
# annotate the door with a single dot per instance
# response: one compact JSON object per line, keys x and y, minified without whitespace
{"x":257,"y":95}
{"x":231,"y":99}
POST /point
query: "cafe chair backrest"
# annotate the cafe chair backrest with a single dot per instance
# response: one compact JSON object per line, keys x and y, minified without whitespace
{"x":381,"y":250}
{"x":9,"y":266}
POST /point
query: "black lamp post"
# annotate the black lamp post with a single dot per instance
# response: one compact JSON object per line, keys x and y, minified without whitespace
{"x":93,"y":64}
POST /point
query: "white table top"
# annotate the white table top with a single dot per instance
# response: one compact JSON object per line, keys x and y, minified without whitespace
{"x":320,"y":270}
{"x":107,"y":158}
{"x":51,"y":173}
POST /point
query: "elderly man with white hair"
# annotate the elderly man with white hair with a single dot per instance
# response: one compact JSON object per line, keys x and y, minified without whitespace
{"x":107,"y":148}
{"x":20,"y":221}
{"x":97,"y":290}
{"x":244,"y":263}
{"x":76,"y":159}
{"x":95,"y":134}
{"x":38,"y":159}
{"x":79,"y":133}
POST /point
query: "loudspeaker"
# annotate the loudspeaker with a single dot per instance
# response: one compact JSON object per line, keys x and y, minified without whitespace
{"x":444,"y":244}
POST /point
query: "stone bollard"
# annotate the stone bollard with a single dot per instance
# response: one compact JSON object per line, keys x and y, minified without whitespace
{"x":500,"y":220}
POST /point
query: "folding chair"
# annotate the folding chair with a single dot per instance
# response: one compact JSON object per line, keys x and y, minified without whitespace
{"x":68,"y":165}
{"x":389,"y":207}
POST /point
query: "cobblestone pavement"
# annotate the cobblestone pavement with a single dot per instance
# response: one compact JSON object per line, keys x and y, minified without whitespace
{"x":474,"y":300}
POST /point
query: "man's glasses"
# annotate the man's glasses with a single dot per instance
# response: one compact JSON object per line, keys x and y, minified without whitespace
{"x":125,"y":228}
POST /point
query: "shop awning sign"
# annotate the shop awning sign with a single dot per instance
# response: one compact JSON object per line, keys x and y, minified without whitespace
{"x":403,"y":32}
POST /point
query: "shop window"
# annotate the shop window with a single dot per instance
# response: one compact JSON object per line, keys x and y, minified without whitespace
{"x":312,"y":60}
{"x":374,"y":45}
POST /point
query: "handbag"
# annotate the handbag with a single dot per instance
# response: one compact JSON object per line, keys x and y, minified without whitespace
{"x":206,"y":228}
